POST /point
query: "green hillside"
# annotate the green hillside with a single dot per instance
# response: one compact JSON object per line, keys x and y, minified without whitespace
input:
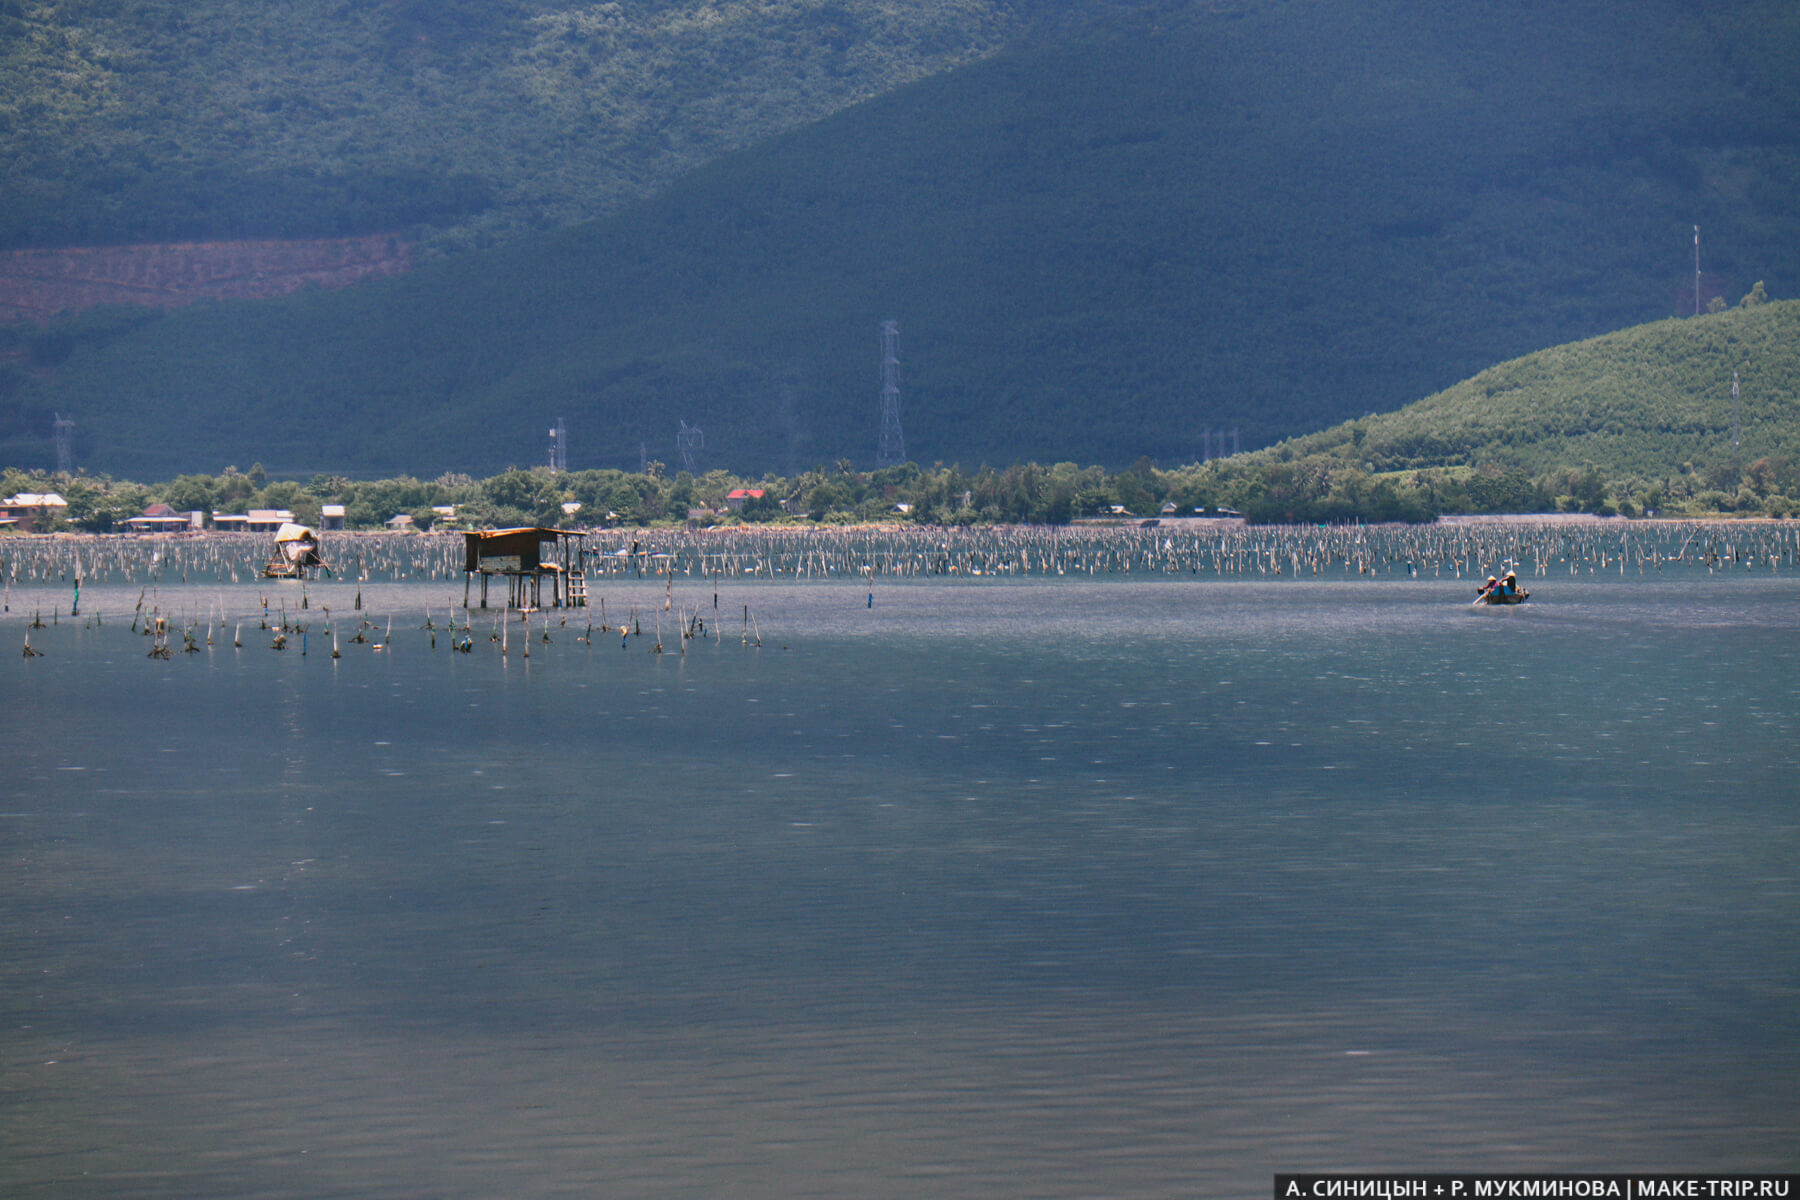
{"x":1635,"y":420}
{"x":1638,"y":402}
{"x":1267,"y":216}
{"x":462,"y":121}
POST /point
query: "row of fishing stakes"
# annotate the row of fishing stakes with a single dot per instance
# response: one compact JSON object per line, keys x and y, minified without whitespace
{"x":780,"y":553}
{"x":150,"y":621}
{"x":41,"y":569}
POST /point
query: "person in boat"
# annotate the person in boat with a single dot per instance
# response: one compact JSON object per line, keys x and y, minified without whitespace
{"x":1509,"y":587}
{"x":1487,"y":590}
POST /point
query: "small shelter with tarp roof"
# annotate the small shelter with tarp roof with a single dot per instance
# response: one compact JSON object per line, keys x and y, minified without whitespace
{"x":296,"y":554}
{"x":525,"y":558}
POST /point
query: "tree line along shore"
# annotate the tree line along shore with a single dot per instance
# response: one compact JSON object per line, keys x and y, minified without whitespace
{"x":1261,"y":489}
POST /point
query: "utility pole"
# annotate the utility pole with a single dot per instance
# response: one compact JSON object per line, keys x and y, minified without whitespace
{"x":1734,"y":420}
{"x":1696,"y":270}
{"x":890,"y":449}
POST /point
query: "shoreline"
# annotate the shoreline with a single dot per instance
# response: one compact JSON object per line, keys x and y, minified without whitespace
{"x":1101,"y":525}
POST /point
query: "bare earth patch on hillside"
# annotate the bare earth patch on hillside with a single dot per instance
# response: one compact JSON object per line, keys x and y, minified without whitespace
{"x":36,"y":285}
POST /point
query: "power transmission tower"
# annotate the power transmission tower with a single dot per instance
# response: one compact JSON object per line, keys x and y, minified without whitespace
{"x":65,"y":444}
{"x":689,"y":440}
{"x":890,"y":450}
{"x":1214,"y":442}
{"x":788,"y":380}
{"x":559,"y":447}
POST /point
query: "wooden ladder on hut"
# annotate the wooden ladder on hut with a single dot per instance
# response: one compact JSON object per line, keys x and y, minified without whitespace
{"x":577,"y":590}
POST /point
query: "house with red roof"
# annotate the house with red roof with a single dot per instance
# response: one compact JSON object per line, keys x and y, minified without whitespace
{"x":736,"y":498}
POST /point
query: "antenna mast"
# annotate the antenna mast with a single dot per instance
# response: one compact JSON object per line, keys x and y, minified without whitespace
{"x":890,"y":450}
{"x":559,"y":447}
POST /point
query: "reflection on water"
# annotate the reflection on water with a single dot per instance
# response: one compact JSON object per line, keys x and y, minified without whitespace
{"x":1126,"y":889}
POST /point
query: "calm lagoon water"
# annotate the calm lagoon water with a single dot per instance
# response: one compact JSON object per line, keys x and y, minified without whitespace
{"x":992,"y":889}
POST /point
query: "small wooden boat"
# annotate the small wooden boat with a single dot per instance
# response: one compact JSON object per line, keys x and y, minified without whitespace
{"x":1499,"y":597}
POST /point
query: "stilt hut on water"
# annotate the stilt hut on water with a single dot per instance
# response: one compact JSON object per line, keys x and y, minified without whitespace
{"x":526,"y":557}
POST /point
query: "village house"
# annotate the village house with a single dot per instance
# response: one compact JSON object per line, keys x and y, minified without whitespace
{"x":33,"y":512}
{"x":736,"y":498}
{"x":160,"y":518}
{"x":257,"y":520}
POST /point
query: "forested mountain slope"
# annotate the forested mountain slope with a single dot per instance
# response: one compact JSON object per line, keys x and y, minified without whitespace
{"x":462,"y":121}
{"x":1269,"y":216}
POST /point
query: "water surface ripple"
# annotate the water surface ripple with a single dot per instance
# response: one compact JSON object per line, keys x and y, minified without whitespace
{"x":971,"y":888}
